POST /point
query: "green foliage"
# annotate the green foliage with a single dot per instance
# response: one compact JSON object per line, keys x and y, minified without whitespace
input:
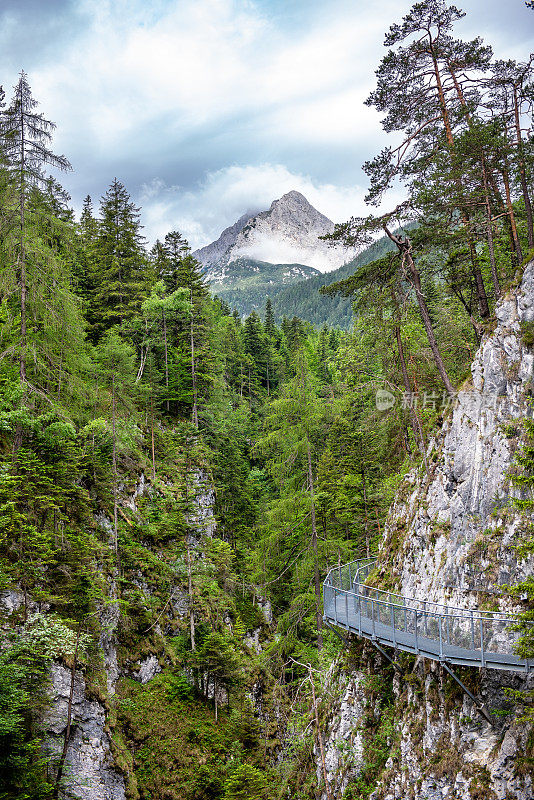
{"x":523,"y":478}
{"x":527,"y":333}
{"x":245,"y":783}
{"x":179,"y":751}
{"x":126,"y":392}
{"x":119,"y":262}
{"x":24,"y":663}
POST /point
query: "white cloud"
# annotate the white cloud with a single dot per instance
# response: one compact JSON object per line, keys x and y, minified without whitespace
{"x":224,"y":195}
{"x":199,"y":62}
{"x":144,"y":81}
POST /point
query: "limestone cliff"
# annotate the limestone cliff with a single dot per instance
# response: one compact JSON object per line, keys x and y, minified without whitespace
{"x":451,"y":537}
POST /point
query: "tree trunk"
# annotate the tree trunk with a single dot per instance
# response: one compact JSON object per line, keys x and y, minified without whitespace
{"x":191,"y":608}
{"x":194,"y":414}
{"x":416,"y":422}
{"x":510,"y":209}
{"x":441,"y":96}
{"x":115,"y":504}
{"x":22,"y":276}
{"x":482,"y":297}
{"x":489,"y":236}
{"x":319,"y":739}
{"x":316,"y":575}
{"x":404,"y":247}
{"x":367,"y":543}
{"x":166,"y":357}
{"x":22,"y":254}
{"x":152,"y":436}
{"x":522,"y":171}
{"x":477,"y":274}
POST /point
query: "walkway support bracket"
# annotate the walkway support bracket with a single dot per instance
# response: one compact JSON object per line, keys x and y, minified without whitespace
{"x":344,"y":639}
{"x":386,"y":655}
{"x":480,"y":705}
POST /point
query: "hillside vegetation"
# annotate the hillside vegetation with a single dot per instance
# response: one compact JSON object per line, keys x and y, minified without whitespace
{"x":169,"y":472}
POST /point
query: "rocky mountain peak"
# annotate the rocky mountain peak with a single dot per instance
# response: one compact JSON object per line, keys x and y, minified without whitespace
{"x":288,"y":233}
{"x":294,"y":200}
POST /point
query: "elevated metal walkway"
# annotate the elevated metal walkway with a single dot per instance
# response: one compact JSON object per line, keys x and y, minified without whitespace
{"x":443,"y":633}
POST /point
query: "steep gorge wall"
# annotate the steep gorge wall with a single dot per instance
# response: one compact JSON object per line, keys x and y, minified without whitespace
{"x":97,"y":762}
{"x":451,"y":537}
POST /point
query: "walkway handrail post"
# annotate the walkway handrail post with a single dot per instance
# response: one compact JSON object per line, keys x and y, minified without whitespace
{"x":483,"y":660}
{"x":416,"y":641}
{"x":440,"y":640}
{"x":373,"y":616}
{"x":426,"y":620}
{"x":350,"y":578}
{"x":347,"y":610}
{"x":335,"y":602}
{"x":392,"y":608}
{"x":472,"y":631}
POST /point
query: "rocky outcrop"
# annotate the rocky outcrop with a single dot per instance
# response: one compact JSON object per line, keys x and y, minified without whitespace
{"x":343,"y":747}
{"x":451,"y":537}
{"x":216,"y":252}
{"x":89,"y":769}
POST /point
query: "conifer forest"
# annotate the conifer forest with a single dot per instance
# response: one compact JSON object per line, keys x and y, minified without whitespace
{"x":177,"y":477}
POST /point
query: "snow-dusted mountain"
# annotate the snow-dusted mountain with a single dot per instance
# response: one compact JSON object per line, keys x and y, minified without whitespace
{"x":215,"y":252}
{"x":288,"y":233}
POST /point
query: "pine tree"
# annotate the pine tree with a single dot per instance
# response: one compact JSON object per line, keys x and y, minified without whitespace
{"x":513,"y":95}
{"x":423,"y":96}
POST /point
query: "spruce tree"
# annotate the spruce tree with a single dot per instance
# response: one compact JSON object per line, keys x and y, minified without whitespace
{"x":85,"y":271}
{"x":121,"y":269}
{"x":170,"y":266}
{"x":43,"y":330}
{"x":189,"y":335}
{"x":270,"y":328}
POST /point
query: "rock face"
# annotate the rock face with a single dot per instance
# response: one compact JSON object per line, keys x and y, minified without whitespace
{"x":459,"y":534}
{"x":215,"y":252}
{"x":451,"y":537}
{"x":343,"y":747}
{"x":288,"y":233}
{"x":89,"y":770}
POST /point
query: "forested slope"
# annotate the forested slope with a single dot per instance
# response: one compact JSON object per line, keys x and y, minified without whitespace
{"x":303,"y":300}
{"x":174,"y":482}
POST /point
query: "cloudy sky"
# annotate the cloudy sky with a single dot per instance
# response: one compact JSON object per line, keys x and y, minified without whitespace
{"x":208,"y":108}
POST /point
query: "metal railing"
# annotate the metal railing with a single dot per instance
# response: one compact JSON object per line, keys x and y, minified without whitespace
{"x":441,"y":632}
